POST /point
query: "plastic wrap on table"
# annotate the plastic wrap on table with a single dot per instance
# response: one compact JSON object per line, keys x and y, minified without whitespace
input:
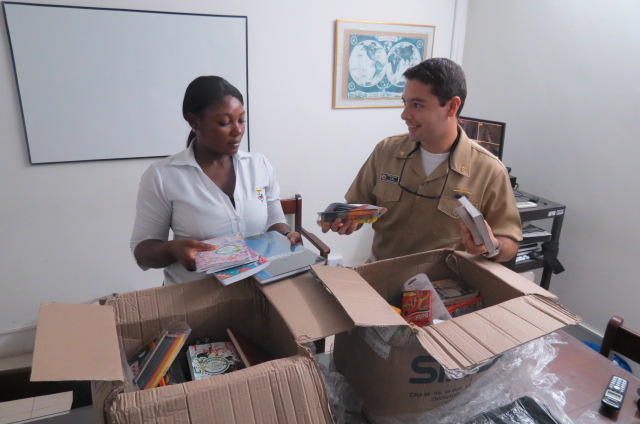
{"x":524,"y":410}
{"x":345,"y":404}
{"x":360,"y":213}
{"x":516,"y":373}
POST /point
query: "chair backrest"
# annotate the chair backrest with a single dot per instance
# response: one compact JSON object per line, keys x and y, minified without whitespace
{"x":293,"y":207}
{"x":620,"y":340}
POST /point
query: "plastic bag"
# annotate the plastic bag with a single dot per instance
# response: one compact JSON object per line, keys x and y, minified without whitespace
{"x":517,"y":373}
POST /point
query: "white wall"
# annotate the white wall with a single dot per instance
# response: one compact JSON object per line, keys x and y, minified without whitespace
{"x":65,"y":228}
{"x":564,"y":76}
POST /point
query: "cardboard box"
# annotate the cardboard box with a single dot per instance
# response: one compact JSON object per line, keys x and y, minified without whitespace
{"x":85,"y":342}
{"x":89,"y":342}
{"x":399,"y":371}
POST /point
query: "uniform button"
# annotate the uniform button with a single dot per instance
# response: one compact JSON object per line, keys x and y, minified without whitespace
{"x":463,"y":169}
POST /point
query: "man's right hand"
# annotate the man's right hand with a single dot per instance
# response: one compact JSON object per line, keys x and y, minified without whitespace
{"x":347,"y":227}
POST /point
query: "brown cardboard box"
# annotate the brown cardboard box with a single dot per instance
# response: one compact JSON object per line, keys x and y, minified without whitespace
{"x":84,"y":342}
{"x":398,"y":370}
{"x":375,"y":348}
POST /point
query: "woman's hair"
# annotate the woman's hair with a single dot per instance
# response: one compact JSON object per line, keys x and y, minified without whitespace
{"x":204,"y":92}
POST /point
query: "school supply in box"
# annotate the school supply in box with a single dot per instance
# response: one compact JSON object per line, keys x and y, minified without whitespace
{"x":458,"y":297}
{"x":416,"y":307}
{"x":228,"y":252}
{"x":250,"y":353}
{"x":211,"y":359}
{"x":360,"y":213}
{"x":285,"y":259}
{"x":422,"y":282}
{"x":161,"y":355}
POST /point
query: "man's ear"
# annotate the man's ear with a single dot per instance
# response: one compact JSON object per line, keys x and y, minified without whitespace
{"x":454,"y":105}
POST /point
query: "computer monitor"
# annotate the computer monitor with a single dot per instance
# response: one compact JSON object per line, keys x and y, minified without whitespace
{"x":489,"y":134}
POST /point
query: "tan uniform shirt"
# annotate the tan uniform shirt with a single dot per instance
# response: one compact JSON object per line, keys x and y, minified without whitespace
{"x":415,"y":224}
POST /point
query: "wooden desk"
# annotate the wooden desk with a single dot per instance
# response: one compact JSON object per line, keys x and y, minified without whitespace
{"x":587,"y":373}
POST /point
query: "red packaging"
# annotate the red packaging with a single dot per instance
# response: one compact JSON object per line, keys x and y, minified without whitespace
{"x":416,"y":307}
{"x":465,"y":307}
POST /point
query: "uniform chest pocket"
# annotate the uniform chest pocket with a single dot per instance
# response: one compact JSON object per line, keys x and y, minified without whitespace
{"x":446,"y":222}
{"x":387,"y":193}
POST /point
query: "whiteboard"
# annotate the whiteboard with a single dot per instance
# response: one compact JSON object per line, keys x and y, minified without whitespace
{"x":98,"y":84}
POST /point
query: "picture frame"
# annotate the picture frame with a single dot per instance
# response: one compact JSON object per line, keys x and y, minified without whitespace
{"x":370,"y":58}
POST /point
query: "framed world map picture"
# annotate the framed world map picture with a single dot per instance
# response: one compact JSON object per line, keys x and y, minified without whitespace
{"x":370,"y":58}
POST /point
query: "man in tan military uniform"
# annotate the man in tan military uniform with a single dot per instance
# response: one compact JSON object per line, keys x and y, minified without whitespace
{"x":420,"y":205}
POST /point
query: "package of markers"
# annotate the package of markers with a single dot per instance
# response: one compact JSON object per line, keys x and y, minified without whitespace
{"x":360,"y":213}
{"x":161,"y":355}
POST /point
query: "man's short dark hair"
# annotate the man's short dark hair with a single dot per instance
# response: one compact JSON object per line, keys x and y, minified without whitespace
{"x":445,"y":77}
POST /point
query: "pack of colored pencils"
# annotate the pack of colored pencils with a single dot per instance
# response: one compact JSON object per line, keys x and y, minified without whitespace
{"x":162,"y":355}
{"x":360,"y":213}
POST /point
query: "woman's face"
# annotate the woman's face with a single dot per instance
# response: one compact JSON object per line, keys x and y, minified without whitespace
{"x":219,"y":129}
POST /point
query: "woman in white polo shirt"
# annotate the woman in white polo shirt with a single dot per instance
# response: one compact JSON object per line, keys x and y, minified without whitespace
{"x":210,"y":189}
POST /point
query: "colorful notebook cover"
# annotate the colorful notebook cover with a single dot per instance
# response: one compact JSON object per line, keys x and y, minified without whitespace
{"x":211,"y":359}
{"x":231,"y":275}
{"x":229,"y":251}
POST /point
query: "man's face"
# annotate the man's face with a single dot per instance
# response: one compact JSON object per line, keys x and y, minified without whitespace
{"x":427,"y":121}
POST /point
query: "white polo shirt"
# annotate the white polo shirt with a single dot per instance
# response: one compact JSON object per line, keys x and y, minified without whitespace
{"x":176,"y":194}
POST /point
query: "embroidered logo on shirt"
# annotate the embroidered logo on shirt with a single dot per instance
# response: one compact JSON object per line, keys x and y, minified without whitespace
{"x":260,"y":194}
{"x":389,"y":178}
{"x":462,"y":192}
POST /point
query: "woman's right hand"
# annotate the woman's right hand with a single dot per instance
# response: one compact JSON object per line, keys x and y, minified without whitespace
{"x":184,"y":251}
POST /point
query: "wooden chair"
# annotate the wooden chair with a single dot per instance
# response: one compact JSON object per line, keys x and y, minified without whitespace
{"x":294,"y":207}
{"x":621,"y":340}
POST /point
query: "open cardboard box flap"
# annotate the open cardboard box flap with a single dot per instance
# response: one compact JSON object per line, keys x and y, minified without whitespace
{"x":363,"y":304}
{"x":345,"y":299}
{"x":342,"y":299}
{"x":522,"y":310}
{"x":474,"y":339}
{"x":76,"y":342}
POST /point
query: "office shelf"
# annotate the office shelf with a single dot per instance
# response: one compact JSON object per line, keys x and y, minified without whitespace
{"x":544,"y":209}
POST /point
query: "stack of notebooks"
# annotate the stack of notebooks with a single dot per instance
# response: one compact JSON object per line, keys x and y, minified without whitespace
{"x":267,"y":257}
{"x":230,"y":260}
{"x":285,"y":259}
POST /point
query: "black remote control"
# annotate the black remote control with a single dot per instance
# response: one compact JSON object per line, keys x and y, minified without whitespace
{"x":614,"y":393}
